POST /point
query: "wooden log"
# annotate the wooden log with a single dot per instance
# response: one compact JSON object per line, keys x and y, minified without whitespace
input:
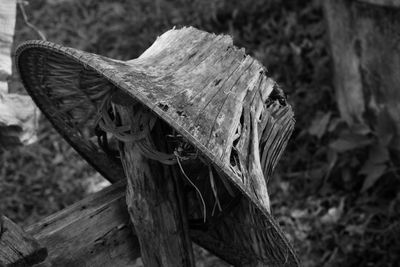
{"x":97,"y":231}
{"x":92,"y":232}
{"x":153,"y":205}
{"x":17,"y":248}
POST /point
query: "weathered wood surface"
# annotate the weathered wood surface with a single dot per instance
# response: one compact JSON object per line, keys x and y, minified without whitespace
{"x":365,"y":44}
{"x":160,"y":224}
{"x":92,"y":232}
{"x":18,"y":248}
{"x":97,"y":231}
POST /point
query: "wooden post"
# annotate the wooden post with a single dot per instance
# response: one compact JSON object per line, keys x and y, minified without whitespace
{"x":17,"y":248}
{"x":365,"y":44}
{"x":153,"y":203}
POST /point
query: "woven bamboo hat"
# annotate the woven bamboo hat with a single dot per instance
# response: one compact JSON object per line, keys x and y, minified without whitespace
{"x":218,"y":99}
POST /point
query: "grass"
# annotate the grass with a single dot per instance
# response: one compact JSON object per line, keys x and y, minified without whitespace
{"x":316,"y":191}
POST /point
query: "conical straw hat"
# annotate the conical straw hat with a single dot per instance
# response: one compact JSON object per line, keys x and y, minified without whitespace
{"x":217,"y":98}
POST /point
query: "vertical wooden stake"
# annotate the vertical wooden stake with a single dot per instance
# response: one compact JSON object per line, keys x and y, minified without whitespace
{"x":153,"y":204}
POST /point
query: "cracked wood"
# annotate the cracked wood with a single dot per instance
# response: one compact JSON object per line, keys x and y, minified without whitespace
{"x":152,"y":199}
{"x":18,"y":248}
{"x":92,"y":232}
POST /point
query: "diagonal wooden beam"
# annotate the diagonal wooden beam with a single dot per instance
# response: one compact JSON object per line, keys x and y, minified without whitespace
{"x":92,"y":232}
{"x":18,"y":248}
{"x":96,"y":231}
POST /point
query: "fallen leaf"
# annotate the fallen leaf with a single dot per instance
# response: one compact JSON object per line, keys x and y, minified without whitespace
{"x":319,"y":124}
{"x":373,"y":173}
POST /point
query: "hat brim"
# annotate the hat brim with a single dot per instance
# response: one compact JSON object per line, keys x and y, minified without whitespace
{"x":31,"y":59}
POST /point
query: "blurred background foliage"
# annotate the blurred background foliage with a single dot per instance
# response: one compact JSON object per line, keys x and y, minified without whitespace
{"x":336,"y":190}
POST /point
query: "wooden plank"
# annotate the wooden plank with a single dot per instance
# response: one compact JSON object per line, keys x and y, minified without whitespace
{"x":97,"y":232}
{"x":92,"y":232}
{"x":17,"y":248}
{"x":153,"y":205}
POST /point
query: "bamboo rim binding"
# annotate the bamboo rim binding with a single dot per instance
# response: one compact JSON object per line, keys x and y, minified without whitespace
{"x":108,"y":126}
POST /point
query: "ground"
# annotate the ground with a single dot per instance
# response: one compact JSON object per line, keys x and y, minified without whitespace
{"x":319,"y":193}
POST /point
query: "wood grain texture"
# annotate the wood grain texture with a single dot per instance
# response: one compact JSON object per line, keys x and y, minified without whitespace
{"x":92,"y":232}
{"x":221,"y":100}
{"x":18,"y":248}
{"x":212,"y":93}
{"x":97,"y":230}
{"x":152,"y":200}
